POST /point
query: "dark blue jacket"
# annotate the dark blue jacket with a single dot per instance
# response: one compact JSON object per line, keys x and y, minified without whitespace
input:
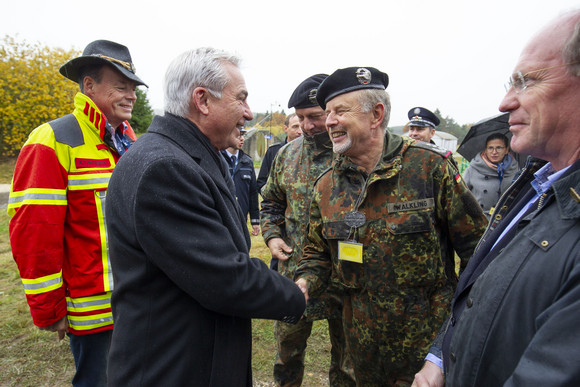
{"x":516,"y":309}
{"x":245,"y":181}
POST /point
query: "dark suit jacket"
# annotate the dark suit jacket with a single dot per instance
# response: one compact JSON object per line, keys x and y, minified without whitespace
{"x":185,"y":287}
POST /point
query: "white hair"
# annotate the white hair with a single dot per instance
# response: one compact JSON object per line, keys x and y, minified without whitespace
{"x":202,"y":67}
{"x":571,"y":49}
{"x":368,"y":98}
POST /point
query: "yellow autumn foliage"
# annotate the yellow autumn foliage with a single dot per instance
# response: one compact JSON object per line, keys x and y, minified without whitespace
{"x":274,"y":123}
{"x":32,"y":91}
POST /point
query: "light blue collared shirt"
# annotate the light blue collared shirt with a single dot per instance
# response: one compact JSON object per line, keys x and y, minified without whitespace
{"x":544,"y":178}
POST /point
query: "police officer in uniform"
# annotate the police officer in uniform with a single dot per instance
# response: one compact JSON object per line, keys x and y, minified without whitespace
{"x":421,"y":125}
{"x":241,"y":168}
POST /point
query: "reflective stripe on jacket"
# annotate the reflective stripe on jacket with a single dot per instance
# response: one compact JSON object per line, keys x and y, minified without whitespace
{"x":58,"y":232}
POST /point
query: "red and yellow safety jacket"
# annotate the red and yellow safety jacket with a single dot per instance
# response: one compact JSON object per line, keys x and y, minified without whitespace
{"x":57,"y":231}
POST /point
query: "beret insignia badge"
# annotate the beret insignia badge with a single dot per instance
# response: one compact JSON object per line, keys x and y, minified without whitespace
{"x":363,"y":76}
{"x":312,"y":96}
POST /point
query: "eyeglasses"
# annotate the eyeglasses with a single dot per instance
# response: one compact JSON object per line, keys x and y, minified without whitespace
{"x":495,"y":148}
{"x":521,"y":81}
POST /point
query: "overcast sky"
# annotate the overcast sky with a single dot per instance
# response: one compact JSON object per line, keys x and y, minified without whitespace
{"x":449,"y":54}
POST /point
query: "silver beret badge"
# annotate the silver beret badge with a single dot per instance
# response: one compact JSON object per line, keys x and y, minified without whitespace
{"x":363,"y":75}
{"x":312,"y":96}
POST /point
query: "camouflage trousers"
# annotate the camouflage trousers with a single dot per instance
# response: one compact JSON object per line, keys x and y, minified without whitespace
{"x":385,"y":351}
{"x":291,"y":346}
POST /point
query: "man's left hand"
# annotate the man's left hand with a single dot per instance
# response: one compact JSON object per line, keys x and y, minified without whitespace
{"x":61,"y":327}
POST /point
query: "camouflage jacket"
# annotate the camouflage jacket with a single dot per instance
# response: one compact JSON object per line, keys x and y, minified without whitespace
{"x":418,"y":211}
{"x":286,"y":195}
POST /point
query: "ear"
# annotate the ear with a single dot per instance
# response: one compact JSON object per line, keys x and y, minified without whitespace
{"x":200,"y":98}
{"x":378,"y":115}
{"x":89,"y":86}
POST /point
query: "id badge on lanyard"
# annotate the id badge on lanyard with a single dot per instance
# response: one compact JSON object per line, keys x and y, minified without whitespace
{"x":351,"y":250}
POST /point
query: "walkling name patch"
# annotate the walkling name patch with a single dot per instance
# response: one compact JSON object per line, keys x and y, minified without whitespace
{"x":412,"y":205}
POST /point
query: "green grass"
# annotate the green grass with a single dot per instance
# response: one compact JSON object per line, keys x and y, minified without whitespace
{"x":264,"y":346}
{"x":30,"y":357}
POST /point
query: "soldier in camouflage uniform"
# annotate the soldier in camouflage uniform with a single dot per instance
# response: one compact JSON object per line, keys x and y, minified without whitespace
{"x":384,"y":223}
{"x":284,"y":218}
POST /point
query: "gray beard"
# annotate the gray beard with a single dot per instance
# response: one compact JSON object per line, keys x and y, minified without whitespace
{"x":342,"y":148}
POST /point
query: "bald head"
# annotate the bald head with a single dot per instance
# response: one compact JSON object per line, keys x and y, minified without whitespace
{"x":542,"y":101}
{"x":558,"y":42}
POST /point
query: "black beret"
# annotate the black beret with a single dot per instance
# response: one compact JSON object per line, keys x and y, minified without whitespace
{"x":420,"y":116}
{"x":350,"y":79}
{"x":305,"y":94}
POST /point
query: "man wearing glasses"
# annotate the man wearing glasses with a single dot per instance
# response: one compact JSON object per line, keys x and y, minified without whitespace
{"x":514,"y":316}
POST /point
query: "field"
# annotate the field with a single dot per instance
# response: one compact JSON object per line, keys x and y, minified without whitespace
{"x":30,"y":357}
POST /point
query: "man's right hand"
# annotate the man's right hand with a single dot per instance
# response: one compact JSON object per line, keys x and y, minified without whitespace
{"x":61,"y":327}
{"x":279,"y":249}
{"x":429,"y":376}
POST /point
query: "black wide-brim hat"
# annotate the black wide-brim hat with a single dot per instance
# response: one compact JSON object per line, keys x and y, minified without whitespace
{"x":102,"y":52}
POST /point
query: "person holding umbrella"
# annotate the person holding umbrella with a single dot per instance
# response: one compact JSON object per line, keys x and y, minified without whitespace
{"x":491,"y":172}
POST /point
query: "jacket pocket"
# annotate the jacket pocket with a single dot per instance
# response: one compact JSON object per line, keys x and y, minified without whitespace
{"x":407,"y":251}
{"x":345,"y":274}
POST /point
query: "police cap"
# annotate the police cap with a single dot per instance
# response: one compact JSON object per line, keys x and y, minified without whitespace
{"x":420,"y":116}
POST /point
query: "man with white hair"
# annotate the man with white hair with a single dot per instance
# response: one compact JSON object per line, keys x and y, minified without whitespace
{"x":186,"y":288}
{"x":514,"y":316}
{"x":385,"y":222}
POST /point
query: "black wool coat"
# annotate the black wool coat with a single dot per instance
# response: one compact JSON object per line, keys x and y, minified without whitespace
{"x":185,"y":287}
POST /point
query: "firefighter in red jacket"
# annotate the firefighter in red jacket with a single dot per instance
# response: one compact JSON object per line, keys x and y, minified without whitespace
{"x":57,"y":204}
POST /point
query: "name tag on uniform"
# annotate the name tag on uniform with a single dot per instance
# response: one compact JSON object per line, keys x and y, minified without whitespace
{"x":92,"y":163}
{"x":412,"y":205}
{"x":350,"y":251}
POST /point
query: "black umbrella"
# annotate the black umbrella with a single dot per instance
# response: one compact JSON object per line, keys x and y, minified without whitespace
{"x":474,"y":141}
